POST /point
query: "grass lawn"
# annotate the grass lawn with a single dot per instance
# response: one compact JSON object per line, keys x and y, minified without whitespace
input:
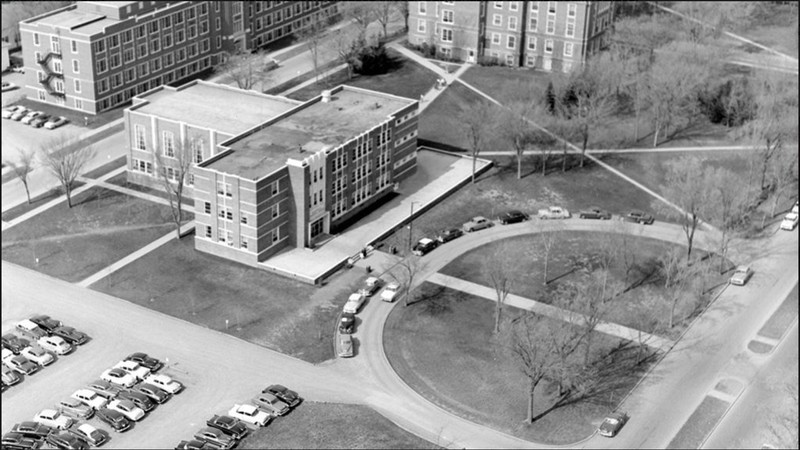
{"x":39,"y":200}
{"x":408,"y":79}
{"x":102,"y":227}
{"x":505,"y":84}
{"x":781,"y":319}
{"x":700,"y":423}
{"x":446,"y":350}
{"x":122,"y":181}
{"x":439,"y":122}
{"x":333,"y":425}
{"x":267,"y":309}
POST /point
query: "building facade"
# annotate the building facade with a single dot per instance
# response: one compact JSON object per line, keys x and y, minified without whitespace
{"x":544,"y":35}
{"x":94,"y":55}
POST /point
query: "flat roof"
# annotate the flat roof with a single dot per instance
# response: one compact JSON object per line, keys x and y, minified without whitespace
{"x":215,"y":106}
{"x":78,"y":21}
{"x":319,"y":126}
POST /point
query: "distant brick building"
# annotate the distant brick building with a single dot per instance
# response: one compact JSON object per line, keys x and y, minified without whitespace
{"x":543,"y":35}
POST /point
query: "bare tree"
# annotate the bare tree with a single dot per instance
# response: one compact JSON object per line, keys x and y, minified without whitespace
{"x":409,"y":268}
{"x":783,"y":422}
{"x":517,"y":129}
{"x":174,"y":163}
{"x":676,"y":273}
{"x":782,"y":174}
{"x":533,"y":354}
{"x":313,"y":35}
{"x":64,"y":162}
{"x":647,"y":324}
{"x":246,"y":70}
{"x":729,"y":201}
{"x":383,"y":14}
{"x":22,"y":168}
{"x":348,"y":50}
{"x":547,"y":240}
{"x":362,"y":13}
{"x":478,"y":122}
{"x":402,"y":7}
{"x":500,"y":274}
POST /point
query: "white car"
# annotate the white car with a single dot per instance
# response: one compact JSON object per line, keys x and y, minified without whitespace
{"x":250,"y":414}
{"x":354,"y":303}
{"x":55,"y":122}
{"x":55,"y":344}
{"x":37,"y":355}
{"x":127,"y":408}
{"x":9,"y":111}
{"x":119,"y":377}
{"x":90,"y":398}
{"x":741,"y":275}
{"x":30,"y":116}
{"x":164,"y":382}
{"x":53,"y":419}
{"x":553,"y":212}
{"x":390,"y":292}
{"x":7,"y":354}
{"x":132,"y":367}
{"x":789,"y":222}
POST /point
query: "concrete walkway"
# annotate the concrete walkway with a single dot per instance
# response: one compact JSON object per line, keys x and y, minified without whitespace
{"x":609,"y":328}
{"x":322,"y":76}
{"x":731,"y":148}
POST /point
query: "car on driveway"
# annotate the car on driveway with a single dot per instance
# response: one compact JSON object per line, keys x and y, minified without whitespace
{"x":56,"y":345}
{"x":9,"y":111}
{"x":477,"y":223}
{"x":639,"y":217}
{"x":138,"y":399}
{"x":513,"y":216}
{"x":119,"y":377}
{"x":155,"y":393}
{"x":271,"y":404}
{"x":7,"y":86}
{"x":194,"y":444}
{"x":250,"y":414}
{"x":70,"y":335}
{"x":553,"y":212}
{"x":22,"y":365}
{"x":37,"y":355}
{"x":30,"y":116}
{"x":39,"y":120}
{"x":105,"y":388}
{"x":287,"y":395}
{"x":371,"y":286}
{"x":345,"y":346}
{"x":20,"y":112}
{"x":53,"y":419}
{"x":46,"y":323}
{"x":88,"y":433}
{"x":347,"y":323}
{"x":54,"y":123}
{"x":216,"y":437}
{"x":32,"y":429}
{"x":164,"y":382}
{"x":594,"y":212}
{"x":20,"y":441}
{"x":741,"y":275}
{"x":10,"y":377}
{"x":127,"y":408}
{"x":90,"y":398}
{"x":14,"y":343}
{"x":424,"y":246}
{"x":449,"y":234}
{"x":30,"y":329}
{"x":133,"y":368}
{"x":229,"y":425}
{"x":65,"y":439}
{"x":75,"y":408}
{"x":145,"y":360}
{"x":114,"y":419}
{"x":390,"y":292}
{"x":612,"y":424}
{"x":789,"y":222}
{"x":354,"y":303}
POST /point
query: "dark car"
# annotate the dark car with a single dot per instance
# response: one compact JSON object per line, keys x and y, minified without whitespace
{"x":70,"y":335}
{"x":594,"y":213}
{"x":14,"y":343}
{"x":114,"y":418}
{"x":612,"y":424}
{"x":145,"y":360}
{"x":104,"y":388}
{"x":216,"y":437}
{"x":155,"y":393}
{"x":194,"y":444}
{"x":639,"y":217}
{"x":66,"y":440}
{"x":424,"y":246}
{"x":286,"y":395}
{"x":347,"y":323}
{"x":39,"y":120}
{"x":22,"y":365}
{"x":449,"y":235}
{"x":229,"y":425}
{"x":513,"y":217}
{"x":17,"y":440}
{"x":139,"y":399}
{"x":46,"y":323}
{"x":88,"y":433}
{"x":32,"y":429}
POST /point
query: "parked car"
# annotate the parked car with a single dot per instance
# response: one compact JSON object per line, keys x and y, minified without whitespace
{"x":7,"y":86}
{"x":424,"y":246}
{"x":271,"y":404}
{"x":9,"y":111}
{"x":155,"y":393}
{"x":612,"y":424}
{"x":39,"y":120}
{"x":639,"y":217}
{"x":216,"y":437}
{"x":371,"y":286}
{"x":796,"y":207}
{"x":789,"y":222}
{"x":65,"y":439}
{"x":10,"y":377}
{"x":14,"y":343}
{"x":30,"y":116}
{"x":22,"y":365}
{"x":30,"y":329}
{"x":53,"y":419}
{"x":287,"y":395}
{"x":229,"y":425}
{"x":20,"y":112}
{"x":127,"y":408}
{"x":56,"y":345}
{"x":46,"y":323}
{"x":88,"y":433}
{"x":741,"y":275}
{"x":594,"y":212}
{"x":250,"y":414}
{"x":115,"y":419}
{"x":513,"y":216}
{"x":70,"y":335}
{"x":390,"y":292}
{"x":37,"y":355}
{"x":32,"y":429}
{"x":449,"y":234}
{"x":194,"y":444}
{"x":20,"y":441}
{"x":345,"y":346}
{"x":145,"y":360}
{"x":354,"y":303}
{"x":477,"y":223}
{"x":119,"y":377}
{"x":140,"y":400}
{"x":75,"y":408}
{"x":105,"y":388}
{"x":553,"y":212}
{"x":90,"y":398}
{"x":54,"y":123}
{"x":17,"y":69}
{"x":347,"y":323}
{"x":133,"y":368}
{"x":164,"y":382}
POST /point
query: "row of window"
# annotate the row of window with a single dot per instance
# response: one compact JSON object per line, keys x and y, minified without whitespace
{"x":116,"y":60}
{"x":447,"y":33}
{"x":225,"y":236}
{"x":572,"y":8}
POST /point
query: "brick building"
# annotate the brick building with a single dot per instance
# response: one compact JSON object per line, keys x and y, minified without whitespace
{"x":543,"y":35}
{"x":95,"y":55}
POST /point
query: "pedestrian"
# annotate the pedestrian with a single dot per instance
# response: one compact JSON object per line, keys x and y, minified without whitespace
{"x":85,"y":121}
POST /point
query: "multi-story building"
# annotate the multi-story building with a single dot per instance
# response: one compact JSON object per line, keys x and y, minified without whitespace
{"x":543,"y":35}
{"x":95,"y":55}
{"x":296,"y":174}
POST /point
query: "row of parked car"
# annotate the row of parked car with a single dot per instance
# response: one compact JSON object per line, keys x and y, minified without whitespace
{"x":355,"y":302}
{"x":35,"y":119}
{"x":226,"y":431}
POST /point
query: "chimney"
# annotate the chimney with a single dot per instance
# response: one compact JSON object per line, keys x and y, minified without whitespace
{"x":326,"y":96}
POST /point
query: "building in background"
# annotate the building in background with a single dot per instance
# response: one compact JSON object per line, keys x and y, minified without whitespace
{"x":94,"y":55}
{"x":552,"y":36}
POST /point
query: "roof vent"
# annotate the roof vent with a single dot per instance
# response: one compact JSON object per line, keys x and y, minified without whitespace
{"x":326,"y":96}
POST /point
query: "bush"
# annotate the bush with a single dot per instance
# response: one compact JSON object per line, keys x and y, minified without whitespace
{"x":375,"y":61}
{"x":730,"y":103}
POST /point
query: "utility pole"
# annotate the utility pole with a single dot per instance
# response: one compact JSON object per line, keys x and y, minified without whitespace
{"x":411,"y":225}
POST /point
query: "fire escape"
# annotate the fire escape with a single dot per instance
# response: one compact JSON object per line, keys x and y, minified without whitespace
{"x":45,"y":82}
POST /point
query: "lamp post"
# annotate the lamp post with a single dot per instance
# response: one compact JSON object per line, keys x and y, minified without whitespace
{"x":411,"y":225}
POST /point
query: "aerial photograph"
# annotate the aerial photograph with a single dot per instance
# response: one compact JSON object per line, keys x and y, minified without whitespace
{"x":400,"y":224}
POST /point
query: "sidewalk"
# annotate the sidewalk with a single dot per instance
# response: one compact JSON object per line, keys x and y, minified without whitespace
{"x":600,"y":151}
{"x":322,"y":76}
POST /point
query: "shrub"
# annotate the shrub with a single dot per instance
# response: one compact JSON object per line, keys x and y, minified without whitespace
{"x":730,"y":103}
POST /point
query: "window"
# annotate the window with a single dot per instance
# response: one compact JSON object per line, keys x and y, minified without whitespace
{"x":115,"y":61}
{"x":567,"y":66}
{"x":243,"y":219}
{"x":532,"y":43}
{"x":155,"y":65}
{"x":178,"y":17}
{"x":101,"y":66}
{"x":423,"y":9}
{"x":140,"y":31}
{"x":512,"y":23}
{"x":142,"y":50}
{"x":511,"y":41}
{"x":572,"y":9}
{"x":224,"y":189}
{"x":570,"y":28}
{"x":548,"y":64}
{"x":207,"y":207}
{"x":498,"y":5}
{"x":421,"y":25}
{"x":274,"y":188}
{"x":35,"y":38}
{"x":513,"y":6}
{"x":276,"y":208}
{"x":243,"y":242}
{"x":496,"y":38}
{"x":76,"y":68}
{"x":167,"y":41}
{"x":74,"y":46}
{"x":510,"y":60}
{"x":78,"y":103}
{"x":497,"y":20}
{"x":551,"y":7}
{"x":142,"y":70}
{"x":447,"y":16}
{"x":530,"y":61}
{"x":224,"y":213}
{"x":103,"y":85}
{"x":127,"y":36}
{"x":208,"y":231}
{"x":197,"y":150}
{"x":168,"y":143}
{"x":205,"y":45}
{"x":155,"y":46}
{"x":138,"y":135}
{"x":180,"y":36}
{"x":78,"y":86}
{"x":533,"y":24}
{"x":153,"y":27}
{"x":551,"y":26}
{"x":218,"y":23}
{"x":258,"y":24}
{"x":447,"y":35}
{"x":113,"y":41}
{"x":548,"y":46}
{"x":192,"y":31}
{"x":568,"y":48}
{"x":190,"y":13}
{"x":168,"y":60}
{"x":100,"y":46}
